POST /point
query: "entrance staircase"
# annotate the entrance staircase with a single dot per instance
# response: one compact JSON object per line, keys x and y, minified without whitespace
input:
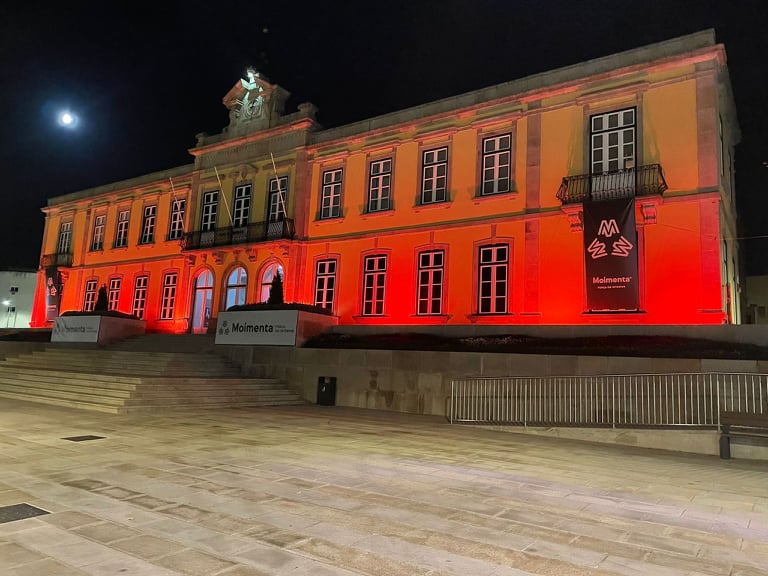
{"x":153,"y":372}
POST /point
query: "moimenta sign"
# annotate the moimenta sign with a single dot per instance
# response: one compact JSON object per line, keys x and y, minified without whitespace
{"x":610,"y":254}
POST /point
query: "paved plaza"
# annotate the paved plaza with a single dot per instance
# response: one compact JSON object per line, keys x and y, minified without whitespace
{"x":320,"y":491}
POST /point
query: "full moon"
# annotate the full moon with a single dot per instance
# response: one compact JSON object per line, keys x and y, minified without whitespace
{"x":67,"y":119}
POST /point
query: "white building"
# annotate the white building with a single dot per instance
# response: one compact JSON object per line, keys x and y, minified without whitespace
{"x":17,"y":292}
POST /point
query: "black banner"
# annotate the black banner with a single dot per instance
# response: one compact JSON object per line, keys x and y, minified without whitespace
{"x":52,"y":293}
{"x":610,"y":253}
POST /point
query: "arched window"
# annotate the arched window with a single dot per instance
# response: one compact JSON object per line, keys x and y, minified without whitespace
{"x":203,"y":298}
{"x":266,"y":280}
{"x":236,"y":285}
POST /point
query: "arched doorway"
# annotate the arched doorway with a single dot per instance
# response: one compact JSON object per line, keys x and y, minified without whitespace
{"x":202,"y":300}
{"x":267,"y":275}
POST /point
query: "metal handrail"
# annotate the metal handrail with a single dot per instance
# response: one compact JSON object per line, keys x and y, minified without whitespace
{"x":627,"y":183}
{"x":254,"y":232}
{"x":63,"y":259}
{"x":618,"y":401}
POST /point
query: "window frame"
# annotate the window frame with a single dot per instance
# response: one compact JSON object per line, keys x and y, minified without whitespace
{"x":176,"y":219}
{"x":377,"y":278}
{"x":121,"y":228}
{"x":148,"y":224}
{"x":331,"y":193}
{"x":321,"y":292}
{"x":495,"y":154}
{"x":113,"y":292}
{"x":604,"y":131}
{"x":375,"y":185}
{"x":494,"y":266}
{"x":209,"y":211}
{"x":238,"y":288}
{"x":168,"y":295}
{"x":140,"y":290}
{"x":241,"y":205}
{"x":428,"y":166}
{"x":277,"y":198}
{"x":97,"y":236}
{"x":430,"y":270}
{"x":89,"y":294}
{"x":64,"y":240}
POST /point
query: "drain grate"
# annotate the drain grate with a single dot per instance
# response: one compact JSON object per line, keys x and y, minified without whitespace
{"x":19,"y":512}
{"x":83,"y":438}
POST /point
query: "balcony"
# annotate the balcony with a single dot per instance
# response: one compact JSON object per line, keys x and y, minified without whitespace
{"x":63,"y":260}
{"x":628,"y":183}
{"x":252,"y":233}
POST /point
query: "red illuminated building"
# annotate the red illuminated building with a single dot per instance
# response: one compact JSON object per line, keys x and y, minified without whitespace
{"x":600,"y":193}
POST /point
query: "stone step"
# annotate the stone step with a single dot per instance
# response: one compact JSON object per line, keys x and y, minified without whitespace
{"x":119,"y":380}
{"x":23,"y":373}
{"x":119,"y":368}
{"x":223,"y":405}
{"x":64,"y":402}
{"x":89,"y":397}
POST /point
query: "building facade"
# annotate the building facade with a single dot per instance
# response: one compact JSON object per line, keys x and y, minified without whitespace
{"x":600,"y":193}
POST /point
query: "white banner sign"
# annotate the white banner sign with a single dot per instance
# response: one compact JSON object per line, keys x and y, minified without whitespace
{"x":257,"y":327}
{"x":76,"y":329}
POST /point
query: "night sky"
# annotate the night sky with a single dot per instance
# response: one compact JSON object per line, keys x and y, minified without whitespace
{"x":145,"y":81}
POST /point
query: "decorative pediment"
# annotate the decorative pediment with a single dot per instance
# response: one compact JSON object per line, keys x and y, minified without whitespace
{"x":254,"y":103}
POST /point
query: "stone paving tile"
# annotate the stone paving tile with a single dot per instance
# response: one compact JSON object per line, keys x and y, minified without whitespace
{"x":106,"y":532}
{"x":309,"y":490}
{"x":70,"y":519}
{"x":45,"y":567}
{"x":11,"y":554}
{"x":194,"y":563}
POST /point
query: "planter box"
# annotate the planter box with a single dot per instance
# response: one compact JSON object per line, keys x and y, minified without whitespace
{"x":95,"y":329}
{"x":270,"y":327}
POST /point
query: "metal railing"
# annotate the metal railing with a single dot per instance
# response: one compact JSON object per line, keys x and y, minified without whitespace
{"x":64,"y":260}
{"x":255,"y":232}
{"x":620,"y":401}
{"x":630,"y":182}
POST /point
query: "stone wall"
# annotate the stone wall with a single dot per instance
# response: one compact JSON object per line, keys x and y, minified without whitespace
{"x":420,"y":382}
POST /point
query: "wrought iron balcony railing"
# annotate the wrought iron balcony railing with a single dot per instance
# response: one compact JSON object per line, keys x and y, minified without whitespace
{"x":628,"y":183}
{"x":256,"y":232}
{"x":63,"y":260}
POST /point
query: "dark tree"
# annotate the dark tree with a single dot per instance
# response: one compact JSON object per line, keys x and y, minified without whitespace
{"x":276,"y":291}
{"x":102,"y":304}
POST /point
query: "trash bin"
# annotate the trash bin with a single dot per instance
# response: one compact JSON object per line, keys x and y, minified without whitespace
{"x":326,"y":391}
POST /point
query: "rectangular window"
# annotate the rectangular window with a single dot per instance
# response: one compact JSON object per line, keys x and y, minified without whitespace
{"x":210,"y":210}
{"x":434,"y":176}
{"x":242,"y":208}
{"x":140,"y":296}
{"x":430,"y":289}
{"x":374,"y":278}
{"x":97,"y":242}
{"x":113,"y":295}
{"x":89,"y":301}
{"x":325,"y":283}
{"x":612,"y":139}
{"x":65,"y":238}
{"x":330,"y":200}
{"x":176,"y":227}
{"x":121,"y":234}
{"x":497,"y":164}
{"x":169,"y":296}
{"x":493,"y":279}
{"x":380,"y":185}
{"x":148,"y":225}
{"x":278,"y":191}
